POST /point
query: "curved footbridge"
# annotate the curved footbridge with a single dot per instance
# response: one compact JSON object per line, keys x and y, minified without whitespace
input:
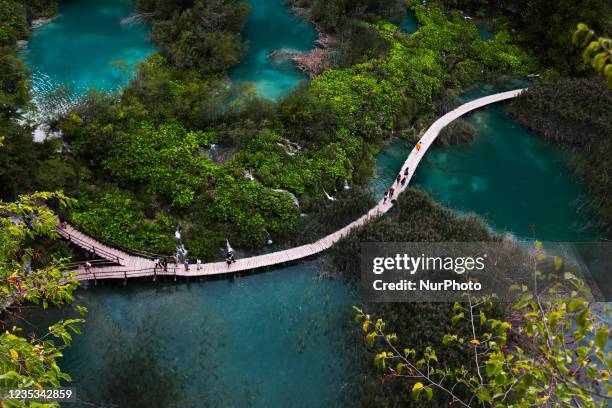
{"x":130,"y":265}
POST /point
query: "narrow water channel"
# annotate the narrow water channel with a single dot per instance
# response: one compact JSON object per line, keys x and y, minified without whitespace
{"x":274,"y":34}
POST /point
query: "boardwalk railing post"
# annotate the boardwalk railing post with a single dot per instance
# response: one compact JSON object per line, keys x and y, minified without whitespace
{"x":124,"y":278}
{"x":155,"y":274}
{"x":95,"y":279}
{"x":175,"y":274}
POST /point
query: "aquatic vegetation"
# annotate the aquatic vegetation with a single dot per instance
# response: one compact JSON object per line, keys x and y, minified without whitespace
{"x":444,"y":52}
{"x":205,"y":36}
{"x":576,"y":113}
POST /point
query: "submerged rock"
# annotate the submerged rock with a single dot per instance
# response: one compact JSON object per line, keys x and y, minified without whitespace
{"x":39,"y":22}
{"x":284,"y":55}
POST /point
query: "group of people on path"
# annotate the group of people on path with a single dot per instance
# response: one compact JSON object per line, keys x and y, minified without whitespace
{"x":162,"y":263}
{"x":401,"y":179}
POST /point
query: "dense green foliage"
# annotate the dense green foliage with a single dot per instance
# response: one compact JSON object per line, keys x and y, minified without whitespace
{"x":415,"y":217}
{"x":546,"y":26}
{"x":328,"y":216}
{"x":388,"y":92}
{"x":198,"y":34}
{"x":19,"y":158}
{"x":31,"y":275}
{"x":170,"y":169}
{"x":555,"y":354}
{"x":558,"y":110}
{"x":184,"y":146}
{"x":332,"y":15}
{"x":597,"y":50}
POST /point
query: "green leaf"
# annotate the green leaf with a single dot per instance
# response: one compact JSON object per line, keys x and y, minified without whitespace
{"x":365,"y":326}
{"x":575,"y":305}
{"x":601,"y":337}
{"x":429,"y":393}
{"x":370,"y":337}
{"x":457,"y":317}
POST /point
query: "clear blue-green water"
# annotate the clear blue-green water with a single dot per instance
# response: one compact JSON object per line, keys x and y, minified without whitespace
{"x":485,"y":34}
{"x":510,"y":176}
{"x":85,"y":46}
{"x":265,"y":340}
{"x":272,"y":27}
{"x":388,"y":163}
{"x":409,"y":24}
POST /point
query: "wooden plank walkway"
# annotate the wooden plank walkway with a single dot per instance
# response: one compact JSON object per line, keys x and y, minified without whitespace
{"x":131,"y":266}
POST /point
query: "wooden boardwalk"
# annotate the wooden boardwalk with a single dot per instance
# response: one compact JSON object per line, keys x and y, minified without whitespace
{"x":129,"y":265}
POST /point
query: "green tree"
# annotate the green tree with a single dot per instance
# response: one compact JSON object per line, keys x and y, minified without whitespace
{"x":554,"y":354}
{"x":205,"y":36}
{"x":597,"y":51}
{"x":31,"y":276}
{"x":548,"y":26}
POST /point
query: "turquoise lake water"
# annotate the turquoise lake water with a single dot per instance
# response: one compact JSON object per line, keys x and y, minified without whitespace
{"x":485,"y":34}
{"x":272,"y":27}
{"x":85,"y":46}
{"x":266,"y":340}
{"x":409,"y":25}
{"x":508,"y":175}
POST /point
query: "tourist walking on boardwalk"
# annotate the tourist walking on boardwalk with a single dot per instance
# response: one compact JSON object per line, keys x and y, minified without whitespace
{"x":165,"y":264}
{"x":176,"y":261}
{"x":87,"y":267}
{"x":157,"y":263}
{"x":391,"y":191}
{"x":406,"y":171}
{"x":385,"y":197}
{"x":198,"y":264}
{"x":418,"y":146}
{"x":403,"y":182}
{"x":186,"y":263}
{"x":398,"y":178}
{"x":228,"y":260}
